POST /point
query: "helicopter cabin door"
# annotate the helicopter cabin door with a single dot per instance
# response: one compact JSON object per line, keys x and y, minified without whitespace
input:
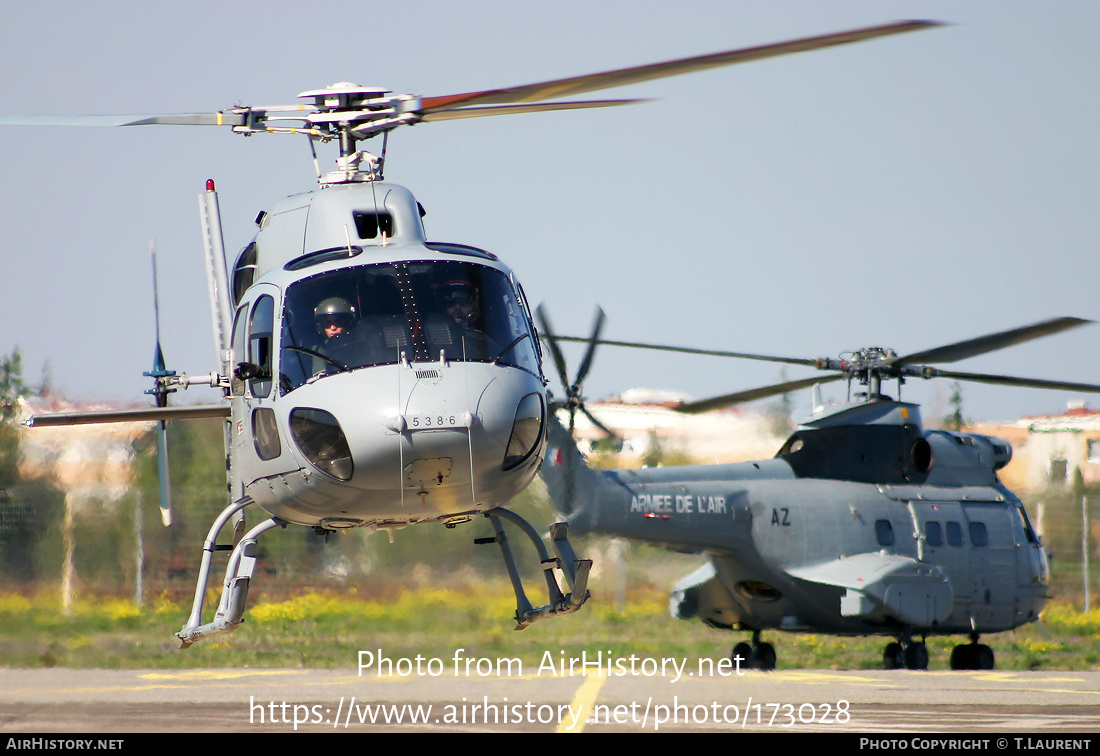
{"x":940,"y":541}
{"x":257,"y":445}
{"x":974,"y":544}
{"x":992,"y":546}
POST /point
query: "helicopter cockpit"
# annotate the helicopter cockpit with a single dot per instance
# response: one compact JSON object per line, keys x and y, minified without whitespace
{"x":409,"y":311}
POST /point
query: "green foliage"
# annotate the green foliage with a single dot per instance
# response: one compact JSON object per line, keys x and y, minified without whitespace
{"x":12,"y":386}
{"x":778,"y":413}
{"x":29,"y":509}
{"x":954,"y":420}
{"x":326,"y":629}
{"x":13,"y":389}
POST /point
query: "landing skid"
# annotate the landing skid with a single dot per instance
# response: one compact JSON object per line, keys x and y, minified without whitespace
{"x":238,"y":575}
{"x":242,"y":562}
{"x":574,"y":570}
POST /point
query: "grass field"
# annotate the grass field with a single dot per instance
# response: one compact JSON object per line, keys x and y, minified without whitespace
{"x":327,"y":630}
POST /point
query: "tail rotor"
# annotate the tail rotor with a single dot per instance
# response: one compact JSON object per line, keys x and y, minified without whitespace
{"x":160,"y":392}
{"x":574,"y":399}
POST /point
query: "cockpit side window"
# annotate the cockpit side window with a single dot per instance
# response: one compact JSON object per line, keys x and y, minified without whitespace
{"x":884,"y":532}
{"x":239,"y":326}
{"x":260,"y":335}
{"x":1024,"y":530}
{"x":244,"y":272}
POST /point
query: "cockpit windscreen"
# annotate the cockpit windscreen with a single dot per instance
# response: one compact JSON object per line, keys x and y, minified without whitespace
{"x":414,"y":311}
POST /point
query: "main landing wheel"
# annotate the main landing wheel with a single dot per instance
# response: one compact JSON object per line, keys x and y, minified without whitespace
{"x":912,"y":655}
{"x":972,"y":656}
{"x":916,"y":655}
{"x":757,"y":655}
{"x":893,"y":656}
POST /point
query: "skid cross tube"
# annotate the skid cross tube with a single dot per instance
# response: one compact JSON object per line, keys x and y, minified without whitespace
{"x":575,"y":570}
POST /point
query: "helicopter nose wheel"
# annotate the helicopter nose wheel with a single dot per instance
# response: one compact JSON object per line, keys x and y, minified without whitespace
{"x":757,"y":655}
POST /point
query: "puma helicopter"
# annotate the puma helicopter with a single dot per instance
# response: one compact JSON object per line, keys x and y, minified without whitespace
{"x":864,"y":522}
{"x":368,"y":376}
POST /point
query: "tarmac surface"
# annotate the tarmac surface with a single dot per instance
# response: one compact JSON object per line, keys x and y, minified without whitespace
{"x":434,"y":699}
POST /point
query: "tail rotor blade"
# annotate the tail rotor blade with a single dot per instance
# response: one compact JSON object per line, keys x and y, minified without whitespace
{"x":555,"y":350}
{"x":162,"y":474}
{"x":586,"y":364}
{"x":160,"y":393}
{"x":592,"y":419}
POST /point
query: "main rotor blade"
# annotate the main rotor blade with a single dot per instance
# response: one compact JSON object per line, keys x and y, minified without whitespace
{"x":690,"y":350}
{"x":592,"y":82}
{"x":494,"y":110}
{"x":178,"y":119}
{"x":718,"y":402}
{"x":1008,"y":380}
{"x":990,"y":343}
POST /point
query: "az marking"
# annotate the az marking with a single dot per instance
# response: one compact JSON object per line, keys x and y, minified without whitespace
{"x":782,"y":520}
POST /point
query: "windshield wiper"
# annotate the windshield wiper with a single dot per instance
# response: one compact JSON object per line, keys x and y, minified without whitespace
{"x":496,"y":360}
{"x":314,"y":353}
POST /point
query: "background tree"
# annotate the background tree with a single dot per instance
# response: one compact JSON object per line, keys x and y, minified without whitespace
{"x":27,"y":507}
{"x":954,"y":420}
{"x":12,"y":386}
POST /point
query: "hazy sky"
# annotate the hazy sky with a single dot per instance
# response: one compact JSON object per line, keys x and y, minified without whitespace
{"x":904,"y":192}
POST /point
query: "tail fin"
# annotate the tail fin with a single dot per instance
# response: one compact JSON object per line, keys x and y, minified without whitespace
{"x":571,"y":483}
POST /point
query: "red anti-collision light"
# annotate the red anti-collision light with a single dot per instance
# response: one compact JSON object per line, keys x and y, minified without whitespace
{"x":210,"y":185}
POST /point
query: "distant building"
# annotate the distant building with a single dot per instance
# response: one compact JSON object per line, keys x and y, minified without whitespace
{"x":642,"y":417}
{"x":1050,"y":450}
{"x":92,"y":462}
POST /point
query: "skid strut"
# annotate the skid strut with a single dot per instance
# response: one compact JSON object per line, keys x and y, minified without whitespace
{"x":238,"y":574}
{"x":575,"y":570}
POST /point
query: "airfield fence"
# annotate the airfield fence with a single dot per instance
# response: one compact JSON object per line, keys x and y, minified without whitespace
{"x":116,"y":545}
{"x":120,"y":548}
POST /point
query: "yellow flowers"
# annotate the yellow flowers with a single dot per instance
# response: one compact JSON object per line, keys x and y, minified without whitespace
{"x":1060,"y":616}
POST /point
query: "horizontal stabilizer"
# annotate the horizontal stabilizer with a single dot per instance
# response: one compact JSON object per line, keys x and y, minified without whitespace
{"x":128,"y":415}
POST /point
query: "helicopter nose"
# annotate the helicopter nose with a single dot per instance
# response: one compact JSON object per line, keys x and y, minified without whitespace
{"x":322,"y":441}
{"x":462,"y":439}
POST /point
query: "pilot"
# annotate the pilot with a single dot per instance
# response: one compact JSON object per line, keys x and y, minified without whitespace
{"x":334,"y":318}
{"x":459,"y":300}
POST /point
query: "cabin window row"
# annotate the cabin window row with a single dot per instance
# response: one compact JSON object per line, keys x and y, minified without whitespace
{"x":935,"y":534}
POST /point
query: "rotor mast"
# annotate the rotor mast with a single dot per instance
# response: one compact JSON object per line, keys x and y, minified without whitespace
{"x":350,"y":113}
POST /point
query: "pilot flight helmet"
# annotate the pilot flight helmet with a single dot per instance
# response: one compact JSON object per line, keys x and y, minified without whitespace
{"x":334,"y":308}
{"x":457,"y":292}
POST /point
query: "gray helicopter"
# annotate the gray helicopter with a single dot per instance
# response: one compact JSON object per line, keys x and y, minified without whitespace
{"x":370,"y":377}
{"x":864,"y":523}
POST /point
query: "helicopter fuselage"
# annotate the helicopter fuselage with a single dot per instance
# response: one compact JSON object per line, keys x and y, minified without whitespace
{"x":860,"y":529}
{"x":427,"y":404}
